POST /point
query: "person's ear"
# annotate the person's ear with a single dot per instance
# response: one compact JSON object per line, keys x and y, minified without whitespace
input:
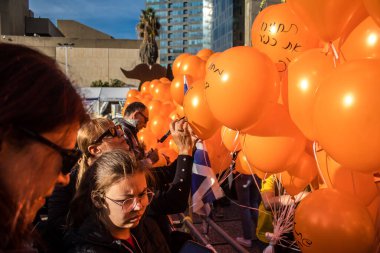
{"x":133,"y":115}
{"x":94,"y":150}
{"x":97,"y":200}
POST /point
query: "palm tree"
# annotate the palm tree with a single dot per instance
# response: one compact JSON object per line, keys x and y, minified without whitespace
{"x":148,"y":29}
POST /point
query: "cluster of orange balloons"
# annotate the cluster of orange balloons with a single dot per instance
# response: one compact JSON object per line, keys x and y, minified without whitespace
{"x":311,"y":75}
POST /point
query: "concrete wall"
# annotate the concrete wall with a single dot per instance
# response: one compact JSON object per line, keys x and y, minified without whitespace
{"x":87,"y":60}
{"x":13,"y":13}
{"x":85,"y":65}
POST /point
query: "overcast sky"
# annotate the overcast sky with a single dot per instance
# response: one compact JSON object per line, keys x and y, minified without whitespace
{"x":117,"y":18}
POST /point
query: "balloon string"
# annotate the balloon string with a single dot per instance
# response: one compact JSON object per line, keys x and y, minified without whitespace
{"x":317,"y":162}
{"x":335,"y":52}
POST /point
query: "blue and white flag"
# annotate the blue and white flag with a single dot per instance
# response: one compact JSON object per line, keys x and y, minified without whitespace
{"x":204,"y":185}
{"x":185,"y":85}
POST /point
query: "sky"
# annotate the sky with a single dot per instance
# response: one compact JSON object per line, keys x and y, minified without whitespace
{"x":117,"y":18}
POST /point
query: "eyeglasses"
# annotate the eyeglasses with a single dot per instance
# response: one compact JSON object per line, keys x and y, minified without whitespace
{"x":115,"y":131}
{"x":69,"y":156}
{"x":129,"y":204}
{"x":145,"y":117}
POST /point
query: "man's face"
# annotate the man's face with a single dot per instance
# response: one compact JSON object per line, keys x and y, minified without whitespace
{"x":142,"y":118}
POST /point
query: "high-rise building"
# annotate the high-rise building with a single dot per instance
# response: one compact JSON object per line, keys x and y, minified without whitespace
{"x":228,"y":24}
{"x":186,"y":26}
{"x":252,"y":9}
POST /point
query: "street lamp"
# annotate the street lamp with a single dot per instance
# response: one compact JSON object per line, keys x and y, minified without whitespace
{"x":66,"y":45}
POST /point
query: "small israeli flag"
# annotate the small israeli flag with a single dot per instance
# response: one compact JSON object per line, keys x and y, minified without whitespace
{"x":204,"y":185}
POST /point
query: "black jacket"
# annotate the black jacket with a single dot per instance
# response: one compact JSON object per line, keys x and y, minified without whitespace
{"x":173,"y":187}
{"x":92,"y":237}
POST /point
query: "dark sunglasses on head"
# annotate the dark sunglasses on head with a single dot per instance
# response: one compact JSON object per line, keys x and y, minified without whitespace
{"x":69,"y":156}
{"x":115,"y":131}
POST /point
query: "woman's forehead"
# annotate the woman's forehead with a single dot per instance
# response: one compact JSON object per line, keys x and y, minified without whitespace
{"x":130,"y":185}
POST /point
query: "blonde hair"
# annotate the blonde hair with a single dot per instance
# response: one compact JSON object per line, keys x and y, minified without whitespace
{"x":87,"y":135}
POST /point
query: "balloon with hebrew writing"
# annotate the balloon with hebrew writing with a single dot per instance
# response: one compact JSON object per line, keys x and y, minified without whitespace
{"x":239,"y":84}
{"x":279,"y":33}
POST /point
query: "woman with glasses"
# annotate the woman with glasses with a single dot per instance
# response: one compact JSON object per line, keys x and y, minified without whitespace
{"x":107,"y":213}
{"x":40,"y":115}
{"x":95,"y":137}
{"x":173,"y":182}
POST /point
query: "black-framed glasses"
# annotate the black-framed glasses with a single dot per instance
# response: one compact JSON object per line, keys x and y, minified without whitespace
{"x":129,"y":204}
{"x":115,"y":131}
{"x":145,"y":117}
{"x":69,"y":156}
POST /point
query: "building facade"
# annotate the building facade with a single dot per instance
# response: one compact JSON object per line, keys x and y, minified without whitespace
{"x":227,"y":24}
{"x":252,"y":9}
{"x":84,"y":54}
{"x":186,"y":26}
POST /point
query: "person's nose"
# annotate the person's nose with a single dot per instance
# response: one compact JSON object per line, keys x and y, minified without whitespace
{"x":63,"y":179}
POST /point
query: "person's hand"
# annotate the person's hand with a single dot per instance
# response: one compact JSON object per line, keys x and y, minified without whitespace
{"x":286,"y":200}
{"x":300,"y":196}
{"x":183,"y":136}
{"x":153,"y":155}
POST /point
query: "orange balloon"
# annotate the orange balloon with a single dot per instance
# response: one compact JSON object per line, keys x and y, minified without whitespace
{"x":305,"y":75}
{"x":205,"y":54}
{"x":327,"y":18}
{"x":167,"y":108}
{"x":173,"y":115}
{"x":325,"y":214}
{"x":180,"y":111}
{"x":198,"y":113}
{"x":147,"y":138}
{"x":177,"y":89}
{"x":292,"y":184}
{"x":162,"y":92}
{"x":275,"y":121}
{"x":133,"y":93}
{"x":154,"y":108}
{"x":279,"y":33}
{"x":230,"y":139}
{"x":164,"y":80}
{"x":177,"y":63}
{"x":159,"y":125}
{"x":145,"y":88}
{"x":373,"y":8}
{"x":273,"y":154}
{"x":153,"y":84}
{"x":194,"y":67}
{"x":173,"y":146}
{"x":238,"y":93}
{"x":219,"y":156}
{"x":243,"y":167}
{"x":359,"y":15}
{"x":347,"y":115}
{"x":357,"y":185}
{"x":363,"y":42}
{"x":212,"y":58}
{"x":374,"y":210}
{"x":306,"y":168}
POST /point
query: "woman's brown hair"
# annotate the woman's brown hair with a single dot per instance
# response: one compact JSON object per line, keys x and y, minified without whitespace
{"x":34,"y":94}
{"x":107,"y":170}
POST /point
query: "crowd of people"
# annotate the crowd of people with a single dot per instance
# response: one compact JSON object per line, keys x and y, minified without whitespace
{"x":102,"y":192}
